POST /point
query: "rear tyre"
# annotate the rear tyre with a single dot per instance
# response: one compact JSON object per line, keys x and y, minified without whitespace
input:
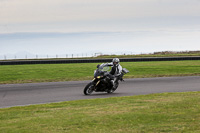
{"x":89,"y":89}
{"x":110,"y":91}
{"x":113,"y":89}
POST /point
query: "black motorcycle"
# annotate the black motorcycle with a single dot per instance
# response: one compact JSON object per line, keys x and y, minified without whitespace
{"x":102,"y":80}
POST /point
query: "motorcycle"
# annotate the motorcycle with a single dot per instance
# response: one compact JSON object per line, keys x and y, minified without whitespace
{"x":102,"y":80}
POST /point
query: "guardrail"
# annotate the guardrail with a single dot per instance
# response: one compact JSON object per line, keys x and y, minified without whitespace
{"x":96,"y":60}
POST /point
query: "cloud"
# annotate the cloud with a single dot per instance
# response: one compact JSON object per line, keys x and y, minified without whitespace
{"x":90,"y":15}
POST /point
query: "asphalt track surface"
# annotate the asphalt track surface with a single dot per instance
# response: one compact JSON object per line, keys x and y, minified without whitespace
{"x":38,"y":93}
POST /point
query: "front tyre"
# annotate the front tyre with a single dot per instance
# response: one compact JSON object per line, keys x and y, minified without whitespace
{"x":89,"y":89}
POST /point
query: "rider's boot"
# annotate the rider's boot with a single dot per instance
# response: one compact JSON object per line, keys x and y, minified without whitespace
{"x":112,"y":83}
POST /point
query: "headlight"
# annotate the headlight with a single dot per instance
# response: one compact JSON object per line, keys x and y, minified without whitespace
{"x":98,"y":77}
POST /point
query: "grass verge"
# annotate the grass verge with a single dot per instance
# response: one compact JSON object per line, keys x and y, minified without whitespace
{"x":166,"y":112}
{"x":84,"y":71}
{"x":155,"y":54}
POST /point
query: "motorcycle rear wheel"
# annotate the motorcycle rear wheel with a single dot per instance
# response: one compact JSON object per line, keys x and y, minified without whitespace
{"x":112,"y":90}
{"x":89,"y":89}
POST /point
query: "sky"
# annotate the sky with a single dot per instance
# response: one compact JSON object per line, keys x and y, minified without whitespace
{"x":85,"y":27}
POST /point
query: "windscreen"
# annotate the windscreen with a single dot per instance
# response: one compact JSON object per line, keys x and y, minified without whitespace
{"x":104,"y":67}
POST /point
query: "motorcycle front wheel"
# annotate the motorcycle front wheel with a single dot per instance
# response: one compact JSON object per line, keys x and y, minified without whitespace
{"x":89,"y":89}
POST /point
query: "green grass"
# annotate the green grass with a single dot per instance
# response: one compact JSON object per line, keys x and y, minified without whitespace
{"x":166,"y":112}
{"x":158,"y":54}
{"x":149,"y":55}
{"x":84,"y":71}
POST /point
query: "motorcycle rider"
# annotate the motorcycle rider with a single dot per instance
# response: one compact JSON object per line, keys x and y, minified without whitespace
{"x":115,"y":71}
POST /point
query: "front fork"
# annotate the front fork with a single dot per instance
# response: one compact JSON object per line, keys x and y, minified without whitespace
{"x":96,"y":81}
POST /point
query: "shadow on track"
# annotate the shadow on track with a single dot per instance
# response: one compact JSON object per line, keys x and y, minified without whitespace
{"x":104,"y":94}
